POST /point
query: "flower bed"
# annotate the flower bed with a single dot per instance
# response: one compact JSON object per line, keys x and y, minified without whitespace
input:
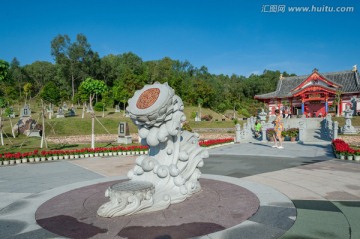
{"x":287,"y":134}
{"x":9,"y":158}
{"x":342,"y":150}
{"x":40,"y":156}
{"x":212,"y":142}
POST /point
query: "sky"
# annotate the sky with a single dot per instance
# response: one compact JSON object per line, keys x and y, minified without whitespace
{"x":227,"y":36}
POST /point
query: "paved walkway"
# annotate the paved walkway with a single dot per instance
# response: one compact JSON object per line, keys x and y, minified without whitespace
{"x":326,"y":192}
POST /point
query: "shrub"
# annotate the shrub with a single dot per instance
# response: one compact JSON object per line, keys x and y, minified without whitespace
{"x":193,"y":115}
{"x":8,"y":112}
{"x":186,"y":126}
{"x":207,"y":117}
{"x":99,"y":106}
{"x":270,"y":132}
{"x":244,"y":112}
{"x":293,"y":132}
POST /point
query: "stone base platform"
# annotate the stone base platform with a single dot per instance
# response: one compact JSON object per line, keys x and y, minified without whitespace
{"x":218,"y":206}
{"x":124,"y":140}
{"x":223,"y":209}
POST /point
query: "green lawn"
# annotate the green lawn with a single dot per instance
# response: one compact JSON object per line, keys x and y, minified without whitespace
{"x":355,"y":121}
{"x":212,"y":124}
{"x":70,"y":126}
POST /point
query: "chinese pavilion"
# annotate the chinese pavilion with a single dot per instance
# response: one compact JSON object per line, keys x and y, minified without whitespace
{"x":315,"y":95}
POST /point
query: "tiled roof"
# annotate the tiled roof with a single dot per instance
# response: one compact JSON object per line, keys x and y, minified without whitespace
{"x":349,"y":80}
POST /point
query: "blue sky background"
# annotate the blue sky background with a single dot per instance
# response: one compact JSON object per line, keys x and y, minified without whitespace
{"x":229,"y":37}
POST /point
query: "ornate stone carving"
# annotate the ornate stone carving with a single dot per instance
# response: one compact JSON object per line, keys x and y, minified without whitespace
{"x":127,"y":198}
{"x":148,"y":98}
{"x":174,"y":159}
{"x":262,"y":116}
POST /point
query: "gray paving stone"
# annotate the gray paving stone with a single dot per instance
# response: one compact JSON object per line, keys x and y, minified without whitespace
{"x":24,"y":187}
{"x":276,"y":217}
{"x":32,"y":178}
{"x":249,"y":230}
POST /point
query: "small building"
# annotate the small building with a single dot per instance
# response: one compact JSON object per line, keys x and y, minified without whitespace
{"x":315,"y":95}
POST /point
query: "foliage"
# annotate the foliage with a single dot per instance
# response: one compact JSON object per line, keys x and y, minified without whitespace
{"x":270,"y":132}
{"x":50,"y":93}
{"x":4,"y":68}
{"x":17,"y":76}
{"x":106,"y":99}
{"x":123,"y":74}
{"x":337,"y":98}
{"x":207,"y":117}
{"x":186,"y":126}
{"x":11,"y":93}
{"x":28,"y":87}
{"x":76,"y":60}
{"x":38,"y":73}
{"x":99,"y":106}
{"x":193,"y":115}
{"x":3,"y":103}
{"x":293,"y":132}
{"x":91,"y":87}
{"x":244,"y":112}
{"x":8,"y":111}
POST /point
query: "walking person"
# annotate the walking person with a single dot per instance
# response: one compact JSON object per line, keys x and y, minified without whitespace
{"x":278,"y":128}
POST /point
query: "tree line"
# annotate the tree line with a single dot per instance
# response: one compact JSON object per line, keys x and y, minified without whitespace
{"x":123,"y":74}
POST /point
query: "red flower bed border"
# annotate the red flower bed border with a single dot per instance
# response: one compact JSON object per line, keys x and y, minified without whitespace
{"x":47,"y":153}
{"x":211,"y":142}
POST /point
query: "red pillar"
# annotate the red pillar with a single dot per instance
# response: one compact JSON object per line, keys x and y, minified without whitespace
{"x":340,"y":107}
{"x":279,"y":103}
{"x":303,"y":105}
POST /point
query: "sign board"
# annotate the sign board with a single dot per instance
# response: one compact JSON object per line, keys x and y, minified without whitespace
{"x":123,"y":129}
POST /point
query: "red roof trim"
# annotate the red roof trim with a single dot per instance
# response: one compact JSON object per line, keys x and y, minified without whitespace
{"x":317,"y":88}
{"x":316,"y":76}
